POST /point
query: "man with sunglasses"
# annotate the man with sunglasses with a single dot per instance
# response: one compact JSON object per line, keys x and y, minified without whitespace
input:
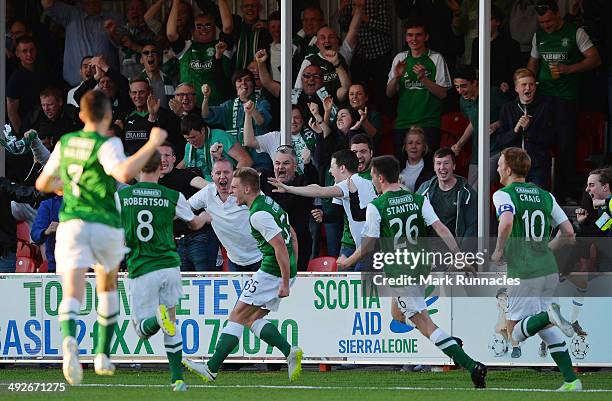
{"x":560,"y":53}
{"x":162,"y":86}
{"x":203,"y":60}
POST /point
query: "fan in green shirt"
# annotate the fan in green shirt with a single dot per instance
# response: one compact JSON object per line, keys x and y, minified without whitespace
{"x":206,"y":145}
{"x":203,"y":60}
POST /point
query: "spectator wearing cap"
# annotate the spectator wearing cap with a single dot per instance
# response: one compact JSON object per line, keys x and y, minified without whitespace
{"x":560,"y":53}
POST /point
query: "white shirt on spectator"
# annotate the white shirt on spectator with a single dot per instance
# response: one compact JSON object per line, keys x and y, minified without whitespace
{"x":230,"y":223}
{"x":410,"y":174}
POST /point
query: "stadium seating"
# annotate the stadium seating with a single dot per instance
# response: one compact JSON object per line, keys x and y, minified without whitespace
{"x":591,"y":140}
{"x":452,"y":128}
{"x":29,"y":255}
{"x":323,"y":264}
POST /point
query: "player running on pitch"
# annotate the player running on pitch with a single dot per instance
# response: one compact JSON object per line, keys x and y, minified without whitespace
{"x":526,"y":216}
{"x":403,"y":216}
{"x":147,"y":212}
{"x":84,"y":166}
{"x":263,"y":292}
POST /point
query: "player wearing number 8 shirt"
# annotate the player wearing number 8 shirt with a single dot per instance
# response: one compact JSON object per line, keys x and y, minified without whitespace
{"x":147,"y":211}
{"x":400,"y":217}
{"x":526,"y":216}
{"x":276,"y":240}
{"x":84,"y":166}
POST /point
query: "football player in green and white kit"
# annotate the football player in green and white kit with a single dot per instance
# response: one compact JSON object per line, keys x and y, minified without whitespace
{"x":147,"y":211}
{"x":403,"y":216}
{"x":526,"y":216}
{"x":263,"y":292}
{"x":84,"y":166}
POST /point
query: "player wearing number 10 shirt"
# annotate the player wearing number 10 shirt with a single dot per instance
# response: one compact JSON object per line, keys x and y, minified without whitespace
{"x":155,"y":285}
{"x":261,"y":294}
{"x":84,"y":166}
{"x":526,"y":216}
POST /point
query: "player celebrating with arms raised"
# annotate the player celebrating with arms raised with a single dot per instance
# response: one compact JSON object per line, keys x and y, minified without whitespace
{"x":526,"y":216}
{"x":84,"y":166}
{"x":147,"y":212}
{"x":263,"y":292}
{"x":402,"y":216}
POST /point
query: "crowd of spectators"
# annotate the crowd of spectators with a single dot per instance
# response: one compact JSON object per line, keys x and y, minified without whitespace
{"x":212,"y":80}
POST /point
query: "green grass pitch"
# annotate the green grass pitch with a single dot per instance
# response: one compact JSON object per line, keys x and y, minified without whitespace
{"x":361,"y":384}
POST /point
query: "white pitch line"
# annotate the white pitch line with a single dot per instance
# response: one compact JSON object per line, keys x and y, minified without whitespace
{"x":398,"y":388}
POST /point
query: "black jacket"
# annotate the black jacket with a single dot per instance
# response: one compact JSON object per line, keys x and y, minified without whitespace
{"x":298,"y":209}
{"x":537,"y":139}
{"x":68,"y":121}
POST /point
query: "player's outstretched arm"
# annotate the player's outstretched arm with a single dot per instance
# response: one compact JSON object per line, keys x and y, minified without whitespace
{"x":130,"y":167}
{"x":282,"y":257}
{"x":310,"y":191}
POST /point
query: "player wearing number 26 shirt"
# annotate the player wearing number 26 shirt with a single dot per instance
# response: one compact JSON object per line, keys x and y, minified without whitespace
{"x":261,"y":294}
{"x":526,"y":216}
{"x":402,"y":216}
{"x":155,"y":286}
{"x":84,"y":166}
